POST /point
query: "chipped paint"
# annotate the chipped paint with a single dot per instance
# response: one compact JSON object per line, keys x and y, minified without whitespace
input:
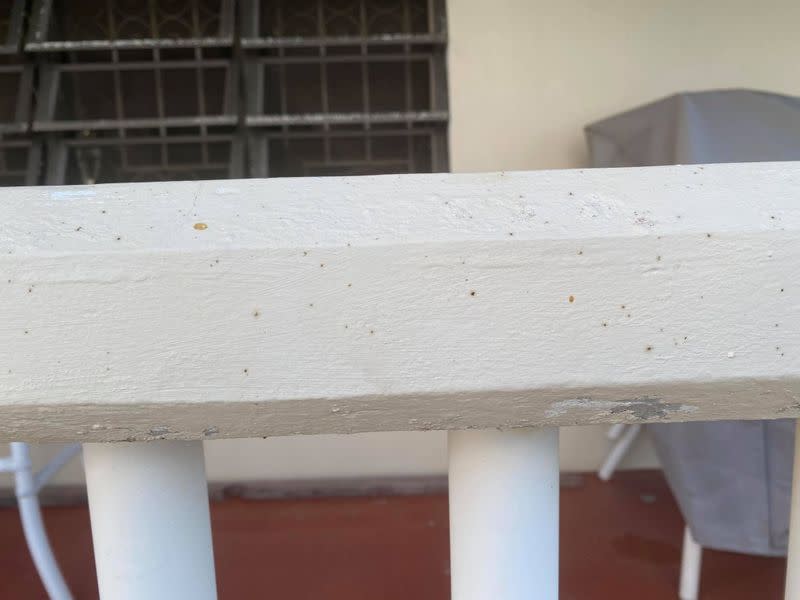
{"x":644,"y":408}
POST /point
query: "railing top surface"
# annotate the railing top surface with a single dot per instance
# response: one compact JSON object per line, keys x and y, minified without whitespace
{"x":399,"y":209}
{"x":336,"y":305}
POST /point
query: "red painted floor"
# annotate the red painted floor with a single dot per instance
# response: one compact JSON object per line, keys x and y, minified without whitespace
{"x":618,"y":541}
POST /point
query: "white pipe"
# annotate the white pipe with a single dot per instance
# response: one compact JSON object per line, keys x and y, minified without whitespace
{"x":148,"y":503}
{"x":618,"y":452}
{"x":793,"y":559}
{"x":615,"y":430}
{"x":691,"y":564}
{"x":33,"y":526}
{"x":504,"y":514}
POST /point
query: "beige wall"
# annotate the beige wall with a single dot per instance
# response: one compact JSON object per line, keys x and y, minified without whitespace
{"x":525,"y":77}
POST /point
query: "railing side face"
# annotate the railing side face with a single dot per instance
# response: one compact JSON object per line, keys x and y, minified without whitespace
{"x":269,"y":307}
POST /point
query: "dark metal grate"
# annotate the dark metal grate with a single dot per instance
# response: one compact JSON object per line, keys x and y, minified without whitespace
{"x":19,"y":161}
{"x":104,"y":24}
{"x":309,"y":22}
{"x":12,"y":14}
{"x":326,"y":74}
{"x":123,"y":94}
{"x":299,"y":154}
{"x":15,"y":94}
{"x":147,"y":156}
{"x":130,"y":90}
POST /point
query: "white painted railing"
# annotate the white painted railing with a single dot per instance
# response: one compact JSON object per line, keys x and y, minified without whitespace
{"x":510,"y":302}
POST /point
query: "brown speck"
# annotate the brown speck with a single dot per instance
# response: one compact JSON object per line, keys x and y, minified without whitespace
{"x":571,"y":194}
{"x":622,"y":306}
{"x":256,"y":313}
{"x":472,"y":293}
{"x":103,"y":211}
{"x":372,"y":332}
{"x":658,"y":258}
{"x":322,"y":265}
{"x":245,"y":371}
{"x":605,"y":324}
{"x":781,"y":289}
{"x":118,"y":238}
{"x":26,"y":331}
{"x":571,"y":299}
{"x":30,"y":290}
{"x":628,"y":315}
{"x":305,"y":252}
{"x":78,"y":228}
{"x":349,"y":285}
{"x":708,"y":235}
{"x":347,"y":326}
{"x":511,"y":233}
{"x":649,"y":348}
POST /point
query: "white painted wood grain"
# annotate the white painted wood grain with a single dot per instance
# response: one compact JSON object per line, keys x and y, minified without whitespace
{"x":270,"y":307}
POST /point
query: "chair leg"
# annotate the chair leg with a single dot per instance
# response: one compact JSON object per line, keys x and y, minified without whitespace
{"x":618,"y":451}
{"x":33,"y":526}
{"x":615,"y":430}
{"x":691,"y":563}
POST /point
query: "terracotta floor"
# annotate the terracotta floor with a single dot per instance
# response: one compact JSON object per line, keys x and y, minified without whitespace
{"x":619,"y":541}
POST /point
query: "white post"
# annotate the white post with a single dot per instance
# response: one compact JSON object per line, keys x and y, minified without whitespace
{"x":504,"y":514}
{"x":691,"y":564}
{"x":148,"y":504}
{"x":793,"y":558}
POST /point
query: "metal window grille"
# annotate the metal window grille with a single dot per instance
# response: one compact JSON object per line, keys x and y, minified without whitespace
{"x":62,"y":25}
{"x":183,"y":89}
{"x":19,"y":161}
{"x":145,"y":156}
{"x":345,"y":86}
{"x":12,"y":14}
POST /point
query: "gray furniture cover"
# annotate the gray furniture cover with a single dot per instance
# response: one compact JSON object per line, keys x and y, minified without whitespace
{"x":732,"y":479}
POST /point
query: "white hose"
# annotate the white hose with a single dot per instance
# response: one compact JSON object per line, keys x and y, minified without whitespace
{"x":33,"y":526}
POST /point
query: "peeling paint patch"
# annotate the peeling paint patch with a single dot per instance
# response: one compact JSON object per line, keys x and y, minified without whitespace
{"x":645,"y":408}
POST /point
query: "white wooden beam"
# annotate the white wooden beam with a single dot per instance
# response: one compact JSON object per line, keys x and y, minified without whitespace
{"x":267,"y":307}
